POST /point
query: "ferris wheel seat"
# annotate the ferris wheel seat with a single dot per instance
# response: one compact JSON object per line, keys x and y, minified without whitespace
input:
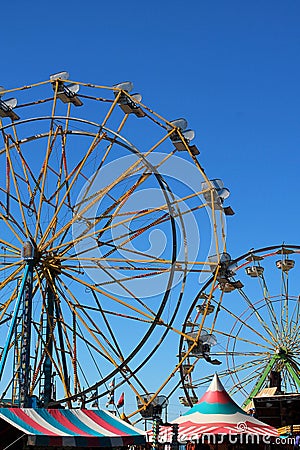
{"x":254,"y":271}
{"x":194,"y":150}
{"x":181,"y":147}
{"x":184,"y":401}
{"x":215,"y":197}
{"x":214,"y":362}
{"x":187,"y":368}
{"x":285,"y":265}
{"x":202,"y":308}
{"x":128,"y":106}
{"x":182,"y":140}
{"x":226,"y":287}
{"x":228,"y":211}
{"x":6,"y":108}
{"x":126,"y":86}
{"x":180,"y":123}
{"x":60,"y":76}
{"x":67,"y":94}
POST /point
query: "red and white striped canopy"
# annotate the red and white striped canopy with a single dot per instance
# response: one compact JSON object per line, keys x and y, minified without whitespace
{"x":70,"y":428}
{"x":216,"y":413}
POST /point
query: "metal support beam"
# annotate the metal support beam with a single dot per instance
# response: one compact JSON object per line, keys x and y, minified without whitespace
{"x":24,"y":376}
{"x":262,"y":379}
{"x":294,"y":372}
{"x":13,"y":322}
{"x":47,"y":367}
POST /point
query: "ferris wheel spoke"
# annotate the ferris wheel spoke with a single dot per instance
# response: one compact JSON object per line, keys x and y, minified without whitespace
{"x":100,"y":230}
{"x":77,"y":257}
{"x":65,"y":170}
{"x":7,"y":221}
{"x":241,"y":384}
{"x":96,"y":198}
{"x":114,"y":313}
{"x":293,"y":373}
{"x":81,"y":335}
{"x":4,"y":306}
{"x":120,"y":281}
{"x":27,"y":173}
{"x":294,"y":339}
{"x":9,"y":246}
{"x":8,"y":266}
{"x":104,"y":157}
{"x":238,"y":338}
{"x":285,"y":306}
{"x":61,"y":175}
{"x":234,"y":369}
{"x":239,"y":354}
{"x":125,"y":373}
{"x":131,"y":251}
{"x":96,"y":330}
{"x":261,"y":321}
{"x":85,"y":324}
{"x":248,"y":326}
{"x":104,"y":191}
{"x":41,"y":180}
{"x":89,"y":348}
{"x":230,"y":371}
{"x":56,"y":364}
{"x":218,"y":309}
{"x":20,"y":203}
{"x":117,"y":204}
{"x":94,"y":287}
{"x":271,"y":311}
{"x":104,"y":353}
{"x":107,"y":324}
{"x":12,"y":276}
{"x":97,"y":139}
{"x":294,"y":321}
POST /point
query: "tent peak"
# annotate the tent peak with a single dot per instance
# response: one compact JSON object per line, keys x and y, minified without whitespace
{"x":216,"y":384}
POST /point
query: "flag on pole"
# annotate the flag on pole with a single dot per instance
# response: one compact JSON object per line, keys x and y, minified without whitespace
{"x":121,"y":401}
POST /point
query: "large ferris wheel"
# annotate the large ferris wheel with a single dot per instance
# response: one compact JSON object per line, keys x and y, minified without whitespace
{"x":99,"y":229}
{"x":250,"y":326}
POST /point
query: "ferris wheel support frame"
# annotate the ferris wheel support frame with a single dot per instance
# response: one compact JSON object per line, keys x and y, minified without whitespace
{"x":280,"y":356}
{"x":21,"y":370}
{"x":24,"y":364}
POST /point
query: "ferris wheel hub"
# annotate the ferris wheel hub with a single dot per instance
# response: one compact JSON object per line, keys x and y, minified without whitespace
{"x":282,"y":352}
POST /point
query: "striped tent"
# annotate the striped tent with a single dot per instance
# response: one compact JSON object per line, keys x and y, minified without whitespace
{"x":70,"y":428}
{"x":216,"y":413}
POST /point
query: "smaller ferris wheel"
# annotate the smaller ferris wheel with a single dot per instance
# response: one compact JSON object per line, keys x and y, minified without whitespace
{"x":250,"y":330}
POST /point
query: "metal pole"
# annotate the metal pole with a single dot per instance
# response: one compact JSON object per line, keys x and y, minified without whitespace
{"x":26,"y":339}
{"x":47,"y":367}
{"x":155,"y":432}
{"x":13,"y":322}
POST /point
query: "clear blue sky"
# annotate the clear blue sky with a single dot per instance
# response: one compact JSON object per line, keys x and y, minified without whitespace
{"x":230,"y":67}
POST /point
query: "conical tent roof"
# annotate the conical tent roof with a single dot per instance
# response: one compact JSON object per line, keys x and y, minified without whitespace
{"x":216,"y":401}
{"x":217,"y":413}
